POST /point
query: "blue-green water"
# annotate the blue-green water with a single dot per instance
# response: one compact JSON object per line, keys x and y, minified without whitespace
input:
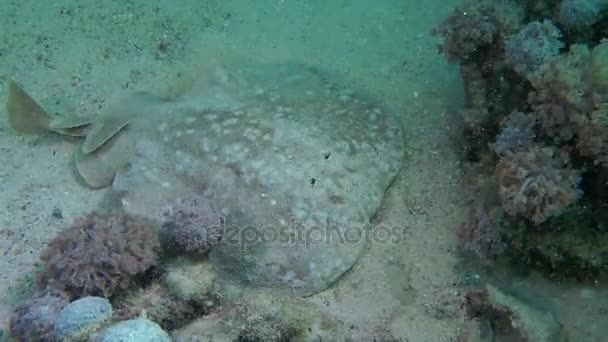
{"x":303,"y":170}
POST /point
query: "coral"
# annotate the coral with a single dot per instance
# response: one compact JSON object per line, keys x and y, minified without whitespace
{"x":592,"y":135}
{"x":475,"y":25}
{"x":33,"y":319}
{"x":517,"y":133}
{"x":570,"y":98}
{"x":561,"y":97}
{"x":191,"y":281}
{"x":570,"y":247}
{"x":593,"y":142}
{"x":536,"y":93}
{"x":532,"y":46}
{"x":536,"y":183}
{"x":476,"y":87}
{"x":268,"y":318}
{"x":100,"y":253}
{"x":598,"y":71}
{"x":580,"y":14}
{"x":263,"y":316}
{"x":465,"y":32}
{"x":480,"y":234}
{"x":473,"y":36}
{"x":194,"y":226}
{"x":158,"y":304}
{"x":510,"y":318}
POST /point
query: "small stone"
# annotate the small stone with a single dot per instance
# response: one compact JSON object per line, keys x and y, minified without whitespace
{"x":81,"y":317}
{"x":57,"y":213}
{"x":134,"y":330}
{"x":514,"y":318}
{"x":191,"y":281}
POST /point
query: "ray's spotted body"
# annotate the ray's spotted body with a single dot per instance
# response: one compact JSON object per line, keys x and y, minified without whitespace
{"x":297,"y":165}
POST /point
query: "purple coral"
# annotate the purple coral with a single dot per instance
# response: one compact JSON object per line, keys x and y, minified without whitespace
{"x":33,"y":320}
{"x":480,"y":234}
{"x":465,"y":32}
{"x":532,"y":46}
{"x":100,"y":253}
{"x":593,"y":142}
{"x":561,"y":97}
{"x":537,"y":183}
{"x":476,"y":25}
{"x":517,"y":133}
{"x":194,"y":226}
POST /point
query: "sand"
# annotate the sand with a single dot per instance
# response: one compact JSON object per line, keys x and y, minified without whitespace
{"x":74,"y":58}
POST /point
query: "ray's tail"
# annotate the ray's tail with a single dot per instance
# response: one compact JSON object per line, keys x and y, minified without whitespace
{"x":25,"y":115}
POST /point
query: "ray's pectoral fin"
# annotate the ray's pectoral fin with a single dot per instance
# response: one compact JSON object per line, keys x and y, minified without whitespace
{"x":97,"y":159}
{"x":119,"y":116}
{"x":25,"y":115}
{"x":73,"y":126}
{"x":99,"y":168}
{"x":103,"y":131}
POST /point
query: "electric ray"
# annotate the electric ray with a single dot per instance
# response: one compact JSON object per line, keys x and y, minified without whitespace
{"x":296,"y":164}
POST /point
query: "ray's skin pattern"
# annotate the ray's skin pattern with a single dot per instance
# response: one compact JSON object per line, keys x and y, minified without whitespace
{"x":295,"y":164}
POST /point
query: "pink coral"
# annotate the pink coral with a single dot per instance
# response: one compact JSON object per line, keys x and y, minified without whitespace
{"x":592,"y":139}
{"x":536,"y":183}
{"x":561,"y":97}
{"x":33,"y":319}
{"x":465,"y":32}
{"x":194,"y":226}
{"x":537,"y":43}
{"x":516,"y":133}
{"x":475,"y":25}
{"x":593,"y":142}
{"x":570,"y":98}
{"x":100,"y":253}
{"x":480,"y":234}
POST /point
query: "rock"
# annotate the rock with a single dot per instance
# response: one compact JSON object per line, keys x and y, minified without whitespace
{"x":510,"y":319}
{"x":81,"y":317}
{"x":158,"y":305}
{"x":264,"y":316}
{"x":191,"y":281}
{"x":134,"y":330}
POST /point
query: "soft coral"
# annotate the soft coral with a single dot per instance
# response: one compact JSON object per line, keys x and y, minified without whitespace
{"x":537,"y":183}
{"x":475,"y":25}
{"x":100,"y":253}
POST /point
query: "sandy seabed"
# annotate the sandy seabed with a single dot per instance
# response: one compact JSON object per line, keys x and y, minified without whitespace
{"x":75,"y":56}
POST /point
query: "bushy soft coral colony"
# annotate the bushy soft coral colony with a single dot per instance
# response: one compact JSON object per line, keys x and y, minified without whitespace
{"x":536,"y":81}
{"x":536,"y":184}
{"x":194,"y":226}
{"x":100,"y":253}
